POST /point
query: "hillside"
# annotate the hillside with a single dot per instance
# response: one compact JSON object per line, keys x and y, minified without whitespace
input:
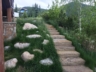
{"x":72,"y":9}
{"x":33,"y":10}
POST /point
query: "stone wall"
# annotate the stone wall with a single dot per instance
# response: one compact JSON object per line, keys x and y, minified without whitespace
{"x":9,"y":30}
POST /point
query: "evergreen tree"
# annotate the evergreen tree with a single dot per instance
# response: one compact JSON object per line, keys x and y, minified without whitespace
{"x":36,"y":10}
{"x":16,"y":8}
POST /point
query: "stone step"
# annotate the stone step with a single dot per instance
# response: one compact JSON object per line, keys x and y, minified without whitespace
{"x":51,"y":28}
{"x":62,"y":42}
{"x":72,"y":61}
{"x":57,"y":36}
{"x":54,"y":33}
{"x":76,"y":69}
{"x":65,"y":48}
{"x":66,"y":54}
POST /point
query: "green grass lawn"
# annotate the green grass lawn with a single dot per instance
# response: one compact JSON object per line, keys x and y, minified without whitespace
{"x":48,"y":50}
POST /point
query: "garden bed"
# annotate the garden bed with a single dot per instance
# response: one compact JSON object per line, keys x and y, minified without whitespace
{"x":37,"y":47}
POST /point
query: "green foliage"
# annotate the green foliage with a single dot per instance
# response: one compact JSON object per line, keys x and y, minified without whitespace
{"x":79,"y":23}
{"x":57,"y":14}
{"x":89,"y":22}
{"x":70,"y":18}
{"x":53,"y":12}
{"x":24,"y":15}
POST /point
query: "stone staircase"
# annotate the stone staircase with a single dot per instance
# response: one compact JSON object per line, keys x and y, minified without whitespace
{"x":70,"y":59}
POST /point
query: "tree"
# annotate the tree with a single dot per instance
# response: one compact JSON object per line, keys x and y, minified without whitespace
{"x":79,"y":9}
{"x":24,"y":15}
{"x":36,"y":10}
{"x":16,"y":8}
{"x":54,"y":9}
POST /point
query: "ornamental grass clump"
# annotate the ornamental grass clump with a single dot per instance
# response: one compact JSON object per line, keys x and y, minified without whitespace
{"x":38,"y":50}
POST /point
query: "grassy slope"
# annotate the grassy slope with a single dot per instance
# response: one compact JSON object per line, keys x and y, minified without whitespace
{"x":49,"y":50}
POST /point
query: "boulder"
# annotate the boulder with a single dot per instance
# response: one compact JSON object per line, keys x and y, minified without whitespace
{"x":10,"y":63}
{"x":28,"y":26}
{"x":45,"y":42}
{"x":26,"y":56}
{"x":21,"y":45}
{"x":46,"y":61}
{"x":6,"y":47}
{"x":33,"y":36}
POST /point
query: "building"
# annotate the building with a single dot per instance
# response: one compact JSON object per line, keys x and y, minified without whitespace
{"x":9,"y":26}
{"x":22,"y":11}
{"x":7,"y":10}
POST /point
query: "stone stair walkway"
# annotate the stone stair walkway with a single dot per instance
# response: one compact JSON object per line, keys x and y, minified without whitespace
{"x":70,"y":59}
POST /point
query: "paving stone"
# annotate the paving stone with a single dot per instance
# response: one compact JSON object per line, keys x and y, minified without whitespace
{"x":64,"y":54}
{"x":76,"y":69}
{"x":72,"y":61}
{"x":65,"y":48}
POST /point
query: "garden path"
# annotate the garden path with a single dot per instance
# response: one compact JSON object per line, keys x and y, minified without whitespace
{"x":69,"y":58}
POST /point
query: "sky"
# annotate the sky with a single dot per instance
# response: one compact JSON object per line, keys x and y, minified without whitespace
{"x":43,"y":3}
